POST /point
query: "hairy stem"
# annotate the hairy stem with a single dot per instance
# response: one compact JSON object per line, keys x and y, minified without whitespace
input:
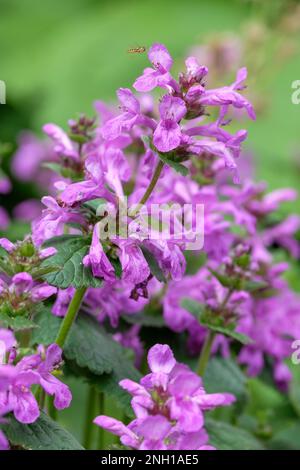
{"x":151,"y":186}
{"x":70,"y":316}
{"x":206,"y":348}
{"x":205,"y":352}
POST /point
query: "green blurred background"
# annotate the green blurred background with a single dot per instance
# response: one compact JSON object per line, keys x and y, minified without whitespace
{"x":57,"y":57}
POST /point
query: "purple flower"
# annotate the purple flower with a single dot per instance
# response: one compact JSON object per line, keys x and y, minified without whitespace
{"x":168,"y":404}
{"x":26,"y":162}
{"x":28,"y":210}
{"x":167,"y":135}
{"x":130,"y":107}
{"x":52,"y":221}
{"x":63,"y":298}
{"x":22,"y":283}
{"x":227,"y":95}
{"x":63,"y":144}
{"x":97,"y":259}
{"x":158,"y":75}
{"x":130,"y":339}
{"x":51,"y":385}
{"x":135,"y":268}
{"x":20,"y":399}
{"x":5,"y":184}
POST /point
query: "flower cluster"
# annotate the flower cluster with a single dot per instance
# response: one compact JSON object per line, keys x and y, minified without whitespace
{"x":169,"y":405}
{"x":92,"y":242}
{"x":18,"y":375}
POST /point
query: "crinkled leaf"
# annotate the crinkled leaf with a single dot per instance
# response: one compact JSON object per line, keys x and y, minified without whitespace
{"x":244,"y":339}
{"x":197,"y":310}
{"x":71,"y":249}
{"x":183,"y":170}
{"x":223,"y":436}
{"x":43,"y":434}
{"x":16,"y":323}
{"x":224,"y":375}
{"x":192,"y":306}
{"x":92,"y":353}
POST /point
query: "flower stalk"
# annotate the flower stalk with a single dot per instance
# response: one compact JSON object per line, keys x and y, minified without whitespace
{"x":70,"y":316}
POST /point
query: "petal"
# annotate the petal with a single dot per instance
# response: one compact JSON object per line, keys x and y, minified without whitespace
{"x":161,"y":358}
{"x":172,"y":108}
{"x":42,"y":292}
{"x":159,"y":55}
{"x":7,"y":245}
{"x":147,"y":81}
{"x":167,"y":136}
{"x":64,"y":145}
{"x":128,"y":100}
{"x":53,"y":356}
{"x":26,"y":409}
{"x":61,"y":392}
{"x":21,"y":282}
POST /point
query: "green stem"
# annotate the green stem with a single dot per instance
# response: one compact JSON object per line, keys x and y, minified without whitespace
{"x":89,"y":417}
{"x":205,"y":352}
{"x":70,"y":316}
{"x":52,"y":411}
{"x":206,"y":349}
{"x":101,"y":404}
{"x":151,"y":187}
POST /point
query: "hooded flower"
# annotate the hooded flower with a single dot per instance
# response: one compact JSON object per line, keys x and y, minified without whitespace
{"x":51,"y":385}
{"x":159,"y":75}
{"x":167,"y":135}
{"x":168,"y":404}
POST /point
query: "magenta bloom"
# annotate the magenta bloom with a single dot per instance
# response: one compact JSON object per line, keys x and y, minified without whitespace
{"x":51,"y":385}
{"x":228,"y":95}
{"x":130,"y":107}
{"x":52,"y":221}
{"x":63,"y":144}
{"x":97,"y":259}
{"x":159,"y":75}
{"x":168,"y":404}
{"x":167,"y":135}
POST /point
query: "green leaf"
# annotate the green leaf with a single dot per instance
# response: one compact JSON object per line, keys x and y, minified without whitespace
{"x":144,"y":319}
{"x":252,"y":286}
{"x":224,"y":375}
{"x":16,"y":323}
{"x":244,"y":339}
{"x":183,"y":170}
{"x":43,"y":434}
{"x":71,"y":249}
{"x":154,"y":267}
{"x":223,"y":436}
{"x":91,"y":353}
{"x":61,"y":170}
{"x":224,"y":280}
{"x":197,"y":309}
{"x":94,"y":204}
{"x":192,"y":306}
